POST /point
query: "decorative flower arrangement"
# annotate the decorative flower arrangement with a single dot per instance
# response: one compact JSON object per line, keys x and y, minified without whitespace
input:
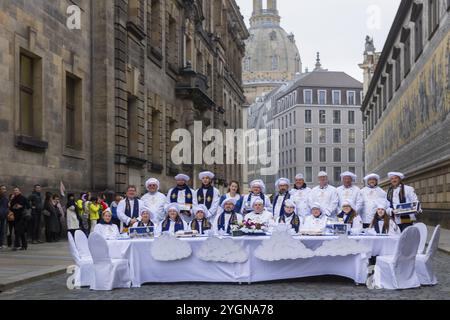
{"x":250,"y":226}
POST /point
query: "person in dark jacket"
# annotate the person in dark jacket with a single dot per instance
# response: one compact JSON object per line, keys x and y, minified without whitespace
{"x":4,"y":209}
{"x":18,"y":205}
{"x":37,"y":205}
{"x":51,"y":218}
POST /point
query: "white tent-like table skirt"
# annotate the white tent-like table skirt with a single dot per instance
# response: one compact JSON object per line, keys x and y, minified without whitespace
{"x":145,"y":269}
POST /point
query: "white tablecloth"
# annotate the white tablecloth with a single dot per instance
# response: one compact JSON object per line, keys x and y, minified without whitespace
{"x":145,"y":269}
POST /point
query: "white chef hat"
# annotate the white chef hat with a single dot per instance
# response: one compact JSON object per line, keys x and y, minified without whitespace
{"x":322,"y":174}
{"x":107,"y":210}
{"x":228,"y":200}
{"x":174,"y":206}
{"x":202,"y":208}
{"x":152,"y":181}
{"x":257,"y":201}
{"x":289,"y":203}
{"x":258,"y":183}
{"x":204,"y":174}
{"x":349,"y":174}
{"x":282,"y":181}
{"x":144,"y":209}
{"x":396,"y":174}
{"x":347,"y":203}
{"x":299,"y":176}
{"x":316,"y":205}
{"x":182,"y":177}
{"x":382,"y":204}
{"x":372,"y":176}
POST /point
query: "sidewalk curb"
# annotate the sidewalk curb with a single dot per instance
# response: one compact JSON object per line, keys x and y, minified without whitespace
{"x":33,"y":277}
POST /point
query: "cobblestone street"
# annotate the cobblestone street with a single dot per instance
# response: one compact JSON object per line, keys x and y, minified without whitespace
{"x":328,"y":288}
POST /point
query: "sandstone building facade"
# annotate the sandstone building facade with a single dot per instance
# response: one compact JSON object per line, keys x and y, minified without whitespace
{"x":95,"y":108}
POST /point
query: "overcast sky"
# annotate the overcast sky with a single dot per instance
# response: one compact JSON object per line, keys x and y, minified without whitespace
{"x":336,"y":29}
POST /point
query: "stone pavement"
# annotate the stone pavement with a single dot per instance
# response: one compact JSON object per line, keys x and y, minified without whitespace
{"x":46,"y":260}
{"x":324,"y":288}
{"x":38,"y":262}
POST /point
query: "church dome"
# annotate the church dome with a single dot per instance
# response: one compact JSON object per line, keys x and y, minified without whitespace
{"x":272,"y":55}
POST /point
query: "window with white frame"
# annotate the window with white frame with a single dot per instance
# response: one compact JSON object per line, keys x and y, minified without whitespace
{"x":322,"y":97}
{"x":308,"y":135}
{"x":336,"y":97}
{"x":351,"y":98}
{"x":307,"y":94}
{"x":308,"y":174}
{"x":322,"y":135}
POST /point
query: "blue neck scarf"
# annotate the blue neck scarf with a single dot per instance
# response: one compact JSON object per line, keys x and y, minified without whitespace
{"x":179,"y":226}
{"x":135,"y":213}
{"x":187,"y":191}
{"x":295,"y":222}
{"x":209,"y":196}
{"x":286,"y":197}
{"x":221,"y":222}
{"x":195,"y":225}
{"x":349,"y":218}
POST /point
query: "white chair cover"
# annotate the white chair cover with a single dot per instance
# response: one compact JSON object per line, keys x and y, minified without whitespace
{"x":423,"y":236}
{"x":398,"y":271}
{"x":108,"y":273}
{"x":424,"y":262}
{"x":84,"y":273}
{"x":81,"y":242}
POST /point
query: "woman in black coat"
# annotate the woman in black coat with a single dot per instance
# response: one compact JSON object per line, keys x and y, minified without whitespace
{"x":52,"y":227}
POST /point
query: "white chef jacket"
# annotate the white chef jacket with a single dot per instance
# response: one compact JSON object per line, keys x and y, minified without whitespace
{"x":264,"y":217}
{"x":245,"y":203}
{"x":156,"y":203}
{"x":215,"y":202}
{"x":107,"y":231}
{"x":239,"y":217}
{"x":300,"y":198}
{"x":181,"y":197}
{"x":353,"y":194}
{"x":371,"y":197}
{"x":357,"y":222}
{"x":312,"y":223}
{"x":393,"y":228}
{"x":171,"y":227}
{"x":277,"y":206}
{"x":328,"y":199}
{"x":121,"y":211}
{"x":410,"y":195}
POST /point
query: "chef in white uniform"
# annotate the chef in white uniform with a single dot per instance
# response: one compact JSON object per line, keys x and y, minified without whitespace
{"x":349,"y":215}
{"x":228,"y":217}
{"x":173,"y":222}
{"x":382,"y":222}
{"x":300,"y":195}
{"x":260,"y":214}
{"x":290,"y":216}
{"x":145,"y":219}
{"x":348,"y":191}
{"x":154,"y":200}
{"x":183,"y":196}
{"x":200,"y":222}
{"x":326,"y":195}
{"x":399,"y":193}
{"x":371,"y":195}
{"x":316,"y":221}
{"x":106,"y":228}
{"x":207,"y":194}
{"x":282,"y":185}
{"x":129,"y":208}
{"x":257,"y":189}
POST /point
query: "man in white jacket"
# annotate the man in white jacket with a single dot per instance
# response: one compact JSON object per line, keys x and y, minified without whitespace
{"x":399,"y":193}
{"x":372,"y":195}
{"x":300,"y":195}
{"x":207,"y":195}
{"x":348,"y":191}
{"x":154,"y":200}
{"x":326,"y":196}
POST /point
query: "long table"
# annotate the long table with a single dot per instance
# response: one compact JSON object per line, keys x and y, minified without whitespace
{"x":145,"y":269}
